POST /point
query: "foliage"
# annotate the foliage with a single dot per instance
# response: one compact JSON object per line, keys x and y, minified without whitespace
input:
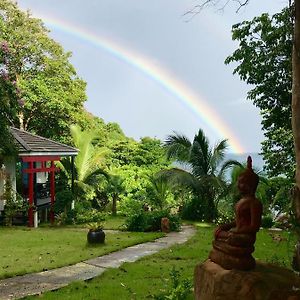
{"x":90,"y":216}
{"x":88,"y":164}
{"x":13,"y":202}
{"x":40,"y":90}
{"x":200,"y":171}
{"x":179,"y":290}
{"x":129,"y":206}
{"x":114,"y":188}
{"x":95,"y":226}
{"x":63,"y":200}
{"x":159,"y":193}
{"x":264,"y":61}
{"x":267,"y":221}
{"x":279,"y":192}
{"x":151,"y":221}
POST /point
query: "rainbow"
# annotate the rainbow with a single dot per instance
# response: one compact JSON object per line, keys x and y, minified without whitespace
{"x":161,"y":76}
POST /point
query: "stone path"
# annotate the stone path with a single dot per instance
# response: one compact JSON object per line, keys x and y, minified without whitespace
{"x":36,"y":283}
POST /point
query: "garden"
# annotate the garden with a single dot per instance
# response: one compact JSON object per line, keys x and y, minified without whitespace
{"x":124,"y":187}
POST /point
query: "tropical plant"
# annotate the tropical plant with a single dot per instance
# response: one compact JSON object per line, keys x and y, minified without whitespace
{"x":159,"y":192}
{"x":199,"y":169}
{"x":88,"y":164}
{"x":114,"y":188}
{"x":13,"y":202}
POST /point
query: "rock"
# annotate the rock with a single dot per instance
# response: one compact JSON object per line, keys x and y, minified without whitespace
{"x":165,"y":225}
{"x":265,"y":282}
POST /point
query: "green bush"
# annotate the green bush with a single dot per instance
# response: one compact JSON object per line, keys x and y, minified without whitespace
{"x":195,"y":210}
{"x":63,"y":200}
{"x":267,"y":221}
{"x":151,"y":221}
{"x":137,"y":222}
{"x":179,"y":290}
{"x":89,"y":216}
{"x":224,"y":218}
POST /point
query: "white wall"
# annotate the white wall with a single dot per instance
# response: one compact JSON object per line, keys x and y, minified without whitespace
{"x":10,"y":169}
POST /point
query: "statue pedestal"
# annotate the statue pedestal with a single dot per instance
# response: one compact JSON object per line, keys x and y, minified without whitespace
{"x":265,"y":282}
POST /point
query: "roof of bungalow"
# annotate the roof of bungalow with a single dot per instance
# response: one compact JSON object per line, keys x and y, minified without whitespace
{"x":29,"y":144}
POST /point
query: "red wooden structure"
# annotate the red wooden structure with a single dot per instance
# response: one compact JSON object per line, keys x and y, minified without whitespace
{"x":38,"y":155}
{"x":31,"y":170}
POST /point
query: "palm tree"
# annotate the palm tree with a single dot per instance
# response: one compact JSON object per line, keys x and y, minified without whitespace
{"x":199,"y":168}
{"x":159,"y":192}
{"x":114,"y":189}
{"x":88,"y":164}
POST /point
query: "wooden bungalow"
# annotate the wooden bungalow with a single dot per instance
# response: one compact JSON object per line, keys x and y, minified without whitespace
{"x":36,"y":157}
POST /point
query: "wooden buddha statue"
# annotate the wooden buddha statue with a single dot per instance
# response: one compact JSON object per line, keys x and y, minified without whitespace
{"x":234,"y":242}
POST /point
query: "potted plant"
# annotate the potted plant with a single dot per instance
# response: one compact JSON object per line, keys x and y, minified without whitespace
{"x":95,"y":235}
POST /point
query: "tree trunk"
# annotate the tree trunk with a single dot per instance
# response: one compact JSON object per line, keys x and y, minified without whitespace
{"x":296,"y":117}
{"x":114,"y":205}
{"x":21,"y":121}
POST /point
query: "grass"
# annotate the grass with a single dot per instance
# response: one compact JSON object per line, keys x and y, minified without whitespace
{"x":25,"y":250}
{"x":114,"y":222}
{"x":151,"y":275}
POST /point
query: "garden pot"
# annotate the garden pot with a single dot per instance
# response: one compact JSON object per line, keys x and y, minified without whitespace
{"x":94,"y":237}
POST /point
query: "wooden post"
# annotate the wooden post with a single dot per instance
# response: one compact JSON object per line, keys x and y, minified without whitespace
{"x":30,"y":194}
{"x":52,"y":191}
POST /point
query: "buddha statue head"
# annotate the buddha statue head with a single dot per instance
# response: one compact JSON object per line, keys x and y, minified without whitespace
{"x":248,"y":180}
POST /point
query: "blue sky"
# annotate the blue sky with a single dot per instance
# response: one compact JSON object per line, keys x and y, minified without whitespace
{"x":193,"y":51}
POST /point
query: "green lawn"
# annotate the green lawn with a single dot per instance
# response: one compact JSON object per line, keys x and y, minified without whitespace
{"x":25,"y":250}
{"x":114,"y":222}
{"x":150,"y":275}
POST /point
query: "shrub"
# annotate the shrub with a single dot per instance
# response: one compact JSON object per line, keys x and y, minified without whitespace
{"x":179,"y":290}
{"x":129,"y":206}
{"x":63,"y":200}
{"x":151,"y":221}
{"x":89,"y":216}
{"x":137,"y":222}
{"x":195,"y":210}
{"x":224,"y":218}
{"x":267,"y":221}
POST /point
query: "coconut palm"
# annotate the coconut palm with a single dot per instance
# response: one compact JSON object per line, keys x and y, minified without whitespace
{"x":200,"y":168}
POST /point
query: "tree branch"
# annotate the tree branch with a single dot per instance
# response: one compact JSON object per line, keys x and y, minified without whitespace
{"x":219,"y":4}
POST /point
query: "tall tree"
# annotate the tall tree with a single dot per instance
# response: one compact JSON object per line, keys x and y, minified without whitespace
{"x":48,"y":95}
{"x":264,"y":61}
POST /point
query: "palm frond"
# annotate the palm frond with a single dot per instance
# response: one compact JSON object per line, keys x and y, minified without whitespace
{"x":230,"y":164}
{"x":177,"y":147}
{"x":93,"y":175}
{"x":178,"y":177}
{"x":218,"y":154}
{"x":200,"y":154}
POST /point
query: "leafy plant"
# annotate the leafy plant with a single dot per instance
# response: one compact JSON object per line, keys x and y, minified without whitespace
{"x":267,"y":221}
{"x":13,"y":202}
{"x":95,"y":226}
{"x":90,"y":216}
{"x":151,"y":221}
{"x":179,"y":290}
